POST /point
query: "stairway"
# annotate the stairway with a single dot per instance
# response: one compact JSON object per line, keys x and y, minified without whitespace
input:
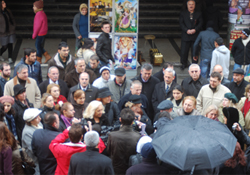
{"x":159,"y":18}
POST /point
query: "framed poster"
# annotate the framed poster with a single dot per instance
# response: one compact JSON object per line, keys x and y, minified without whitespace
{"x":126,"y":16}
{"x":125,"y":51}
{"x":100,"y":10}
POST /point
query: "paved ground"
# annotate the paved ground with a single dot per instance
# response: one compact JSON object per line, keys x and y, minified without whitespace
{"x":168,"y":47}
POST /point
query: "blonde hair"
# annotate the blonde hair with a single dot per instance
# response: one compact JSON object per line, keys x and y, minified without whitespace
{"x":91,"y":108}
{"x":211,"y":108}
{"x":83,"y":5}
{"x":192,"y":98}
{"x":50,"y":86}
{"x":45,"y":96}
{"x":129,"y":104}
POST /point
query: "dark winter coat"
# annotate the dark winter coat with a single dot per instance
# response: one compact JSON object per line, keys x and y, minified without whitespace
{"x":12,"y":26}
{"x":103,"y":48}
{"x":19,"y":108}
{"x":112,"y":113}
{"x":192,"y":88}
{"x":45,"y":110}
{"x":96,"y":70}
{"x":103,"y":121}
{"x":90,"y":162}
{"x":63,"y":87}
{"x":121,"y":145}
{"x":238,"y":90}
{"x":40,"y":147}
{"x":240,"y":52}
{"x":160,"y":76}
{"x":2,"y":83}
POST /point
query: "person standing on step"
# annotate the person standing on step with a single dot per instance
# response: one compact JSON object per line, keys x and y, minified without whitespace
{"x":7,"y":31}
{"x":40,"y":29}
{"x":191,"y":24}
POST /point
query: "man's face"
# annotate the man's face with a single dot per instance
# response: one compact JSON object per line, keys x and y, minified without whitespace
{"x":214,"y":82}
{"x":64,"y":52}
{"x":106,"y":28}
{"x":22,"y":96}
{"x":194,"y":72}
{"x":218,"y":69}
{"x":191,"y":6}
{"x":54,"y":74}
{"x":146,"y":74}
{"x":70,"y":112}
{"x":120,"y":79}
{"x":6,"y":71}
{"x":238,"y":77}
{"x":80,"y":67}
{"x":84,"y":80}
{"x":32,"y":57}
{"x":105,"y":74}
{"x":168,"y":77}
{"x":93,"y":63}
{"x":23,"y":75}
{"x":57,"y":123}
{"x":136,"y":90}
{"x":243,"y":36}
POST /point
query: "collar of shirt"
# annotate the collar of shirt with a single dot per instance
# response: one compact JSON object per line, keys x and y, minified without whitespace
{"x":144,"y":80}
{"x":84,"y":89}
{"x":169,"y":85}
{"x":50,"y":81}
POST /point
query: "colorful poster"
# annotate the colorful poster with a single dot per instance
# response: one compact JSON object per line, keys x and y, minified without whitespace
{"x":235,"y":34}
{"x":239,"y":12}
{"x":126,"y":16}
{"x":125,"y":50}
{"x":100,"y":10}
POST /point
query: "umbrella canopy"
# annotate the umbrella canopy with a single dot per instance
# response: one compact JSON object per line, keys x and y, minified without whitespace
{"x":198,"y":141}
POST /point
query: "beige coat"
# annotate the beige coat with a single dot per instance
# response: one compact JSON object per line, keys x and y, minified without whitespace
{"x":85,"y":53}
{"x":207,"y":97}
{"x":32,"y":91}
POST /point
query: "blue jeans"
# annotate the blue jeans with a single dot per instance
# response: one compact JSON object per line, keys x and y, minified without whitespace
{"x":39,"y":46}
{"x":104,"y":64}
{"x":236,"y":66}
{"x":205,"y":67}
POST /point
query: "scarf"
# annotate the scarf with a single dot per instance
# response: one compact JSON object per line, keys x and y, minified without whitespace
{"x":67,"y":121}
{"x":11,"y":123}
{"x":38,"y":10}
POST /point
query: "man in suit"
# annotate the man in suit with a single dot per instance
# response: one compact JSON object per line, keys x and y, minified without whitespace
{"x":160,"y":74}
{"x":53,"y":74}
{"x":191,"y":24}
{"x":163,"y":90}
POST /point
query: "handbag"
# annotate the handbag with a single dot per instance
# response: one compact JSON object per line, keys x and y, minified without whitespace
{"x":26,"y":167}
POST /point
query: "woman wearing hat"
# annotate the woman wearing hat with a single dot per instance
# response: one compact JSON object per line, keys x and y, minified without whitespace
{"x":230,"y":100}
{"x":86,"y":50}
{"x":9,"y":113}
{"x":188,"y":107}
{"x":112,"y":111}
{"x":80,"y":25}
{"x":79,"y":103}
{"x":32,"y":123}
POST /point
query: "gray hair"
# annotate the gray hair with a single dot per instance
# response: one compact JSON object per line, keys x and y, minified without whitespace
{"x":79,"y":59}
{"x":94,"y":57}
{"x":147,"y":66}
{"x":135,"y":82}
{"x":170,"y":71}
{"x":21,"y":67}
{"x":193,"y":65}
{"x":91,"y":138}
{"x":52,"y":67}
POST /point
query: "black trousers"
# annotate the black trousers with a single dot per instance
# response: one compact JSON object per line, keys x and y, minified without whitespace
{"x":185,"y":47}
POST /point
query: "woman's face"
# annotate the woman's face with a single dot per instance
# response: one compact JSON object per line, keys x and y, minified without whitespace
{"x":3,"y":5}
{"x":106,"y":100}
{"x":177,"y":94}
{"x":80,"y":100}
{"x":36,"y":121}
{"x":7,"y":107}
{"x":98,"y":112}
{"x":225,"y":102}
{"x":49,"y":102}
{"x":84,"y":11}
{"x":55,"y":92}
{"x":188,"y":106}
{"x":212,"y":114}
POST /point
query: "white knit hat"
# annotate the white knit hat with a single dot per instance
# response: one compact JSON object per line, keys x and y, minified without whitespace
{"x":30,"y":114}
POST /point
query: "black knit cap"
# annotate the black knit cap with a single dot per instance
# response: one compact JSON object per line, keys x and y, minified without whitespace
{"x":18,"y":89}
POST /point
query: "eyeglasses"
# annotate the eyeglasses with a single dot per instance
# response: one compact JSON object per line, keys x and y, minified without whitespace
{"x":65,"y":50}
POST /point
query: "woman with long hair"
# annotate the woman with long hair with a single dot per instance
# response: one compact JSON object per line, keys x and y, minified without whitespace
{"x":79,"y":103}
{"x":177,"y":97}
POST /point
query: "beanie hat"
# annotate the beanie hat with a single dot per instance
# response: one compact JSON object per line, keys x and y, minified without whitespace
{"x":7,"y":99}
{"x":30,"y":114}
{"x":18,"y":89}
{"x":148,"y":151}
{"x":38,"y":4}
{"x":246,"y":32}
{"x":143,"y":140}
{"x":231,"y":96}
{"x":104,"y":68}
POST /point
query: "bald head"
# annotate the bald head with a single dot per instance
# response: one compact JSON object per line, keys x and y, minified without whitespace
{"x":218,"y":68}
{"x":84,"y":79}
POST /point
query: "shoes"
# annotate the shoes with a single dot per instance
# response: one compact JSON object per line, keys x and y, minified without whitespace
{"x":183,"y":67}
{"x":10,"y":60}
{"x":47,"y":57}
{"x":39,"y":59}
{"x":1,"y":58}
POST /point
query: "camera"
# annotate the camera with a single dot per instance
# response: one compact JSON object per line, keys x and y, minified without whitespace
{"x":234,"y":127}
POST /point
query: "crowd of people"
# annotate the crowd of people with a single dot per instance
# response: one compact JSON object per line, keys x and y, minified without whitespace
{"x":84,"y":120}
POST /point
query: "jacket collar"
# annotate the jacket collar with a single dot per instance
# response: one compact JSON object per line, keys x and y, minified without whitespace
{"x":15,"y":80}
{"x":51,"y":128}
{"x":79,"y":144}
{"x":92,"y":149}
{"x":126,"y":128}
{"x":89,"y":87}
{"x":58,"y":62}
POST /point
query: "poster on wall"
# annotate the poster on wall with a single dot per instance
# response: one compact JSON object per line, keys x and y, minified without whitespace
{"x":125,"y":50}
{"x":100,"y":10}
{"x":239,"y":12}
{"x":235,"y":34}
{"x":126,"y":16}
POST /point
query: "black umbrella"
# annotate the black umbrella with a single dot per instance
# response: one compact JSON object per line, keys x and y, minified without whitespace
{"x":189,"y":141}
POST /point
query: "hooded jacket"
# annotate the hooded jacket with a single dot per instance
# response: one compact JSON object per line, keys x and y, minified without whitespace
{"x":34,"y":70}
{"x":101,"y":83}
{"x":240,"y":52}
{"x":221,"y":56}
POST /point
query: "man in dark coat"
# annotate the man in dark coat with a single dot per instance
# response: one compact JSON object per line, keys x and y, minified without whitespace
{"x":191,"y":24}
{"x":94,"y":65}
{"x":122,"y":143}
{"x":5,"y":76}
{"x":103,"y":47}
{"x":237,"y":87}
{"x":194,"y":82}
{"x":163,"y":90}
{"x":40,"y":143}
{"x":90,"y":161}
{"x":72,"y":77}
{"x":20,"y":105}
{"x":91,"y":92}
{"x":53,"y":74}
{"x":160,"y":74}
{"x":148,"y":85}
